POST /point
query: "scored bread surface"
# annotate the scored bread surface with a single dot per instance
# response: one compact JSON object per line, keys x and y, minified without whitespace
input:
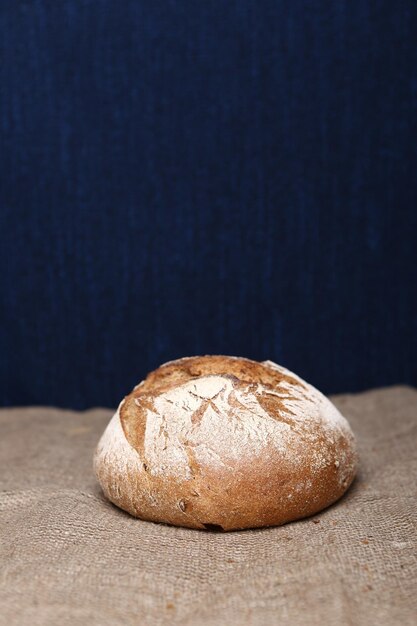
{"x":225,"y":442}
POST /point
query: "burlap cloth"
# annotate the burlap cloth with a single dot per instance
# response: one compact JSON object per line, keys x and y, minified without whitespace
{"x":70,"y":557}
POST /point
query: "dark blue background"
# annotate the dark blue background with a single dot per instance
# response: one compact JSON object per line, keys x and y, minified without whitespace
{"x":194,"y":177}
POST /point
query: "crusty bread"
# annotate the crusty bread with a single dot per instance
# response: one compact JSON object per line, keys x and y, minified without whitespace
{"x":220,"y":442}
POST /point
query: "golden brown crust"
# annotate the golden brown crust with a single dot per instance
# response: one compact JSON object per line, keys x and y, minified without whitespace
{"x":242,"y":372}
{"x":286,"y":452}
{"x":182,"y":370}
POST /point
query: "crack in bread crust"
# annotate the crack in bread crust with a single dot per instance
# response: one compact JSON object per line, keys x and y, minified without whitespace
{"x":245,"y":375}
{"x":183,"y":370}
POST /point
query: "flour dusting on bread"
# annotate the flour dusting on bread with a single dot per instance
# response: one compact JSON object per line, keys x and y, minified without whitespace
{"x":224,"y":422}
{"x":200,"y":428}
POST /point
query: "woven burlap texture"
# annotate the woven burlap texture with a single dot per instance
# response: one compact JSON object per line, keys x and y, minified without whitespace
{"x":69,"y":557}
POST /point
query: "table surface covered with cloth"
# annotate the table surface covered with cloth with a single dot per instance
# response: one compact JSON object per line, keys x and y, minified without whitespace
{"x":69,"y":557}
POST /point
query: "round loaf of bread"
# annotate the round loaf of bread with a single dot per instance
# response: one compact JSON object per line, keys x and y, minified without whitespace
{"x":225,"y":443}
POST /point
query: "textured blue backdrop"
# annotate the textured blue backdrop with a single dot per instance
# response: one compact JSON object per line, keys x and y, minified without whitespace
{"x":206,"y":177}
